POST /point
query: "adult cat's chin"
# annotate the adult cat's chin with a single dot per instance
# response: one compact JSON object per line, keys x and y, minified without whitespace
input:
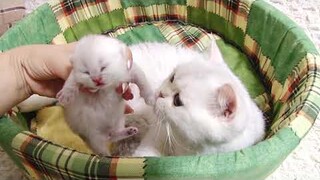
{"x":159,"y":108}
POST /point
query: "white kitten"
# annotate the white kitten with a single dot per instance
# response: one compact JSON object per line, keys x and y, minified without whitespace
{"x":202,"y":107}
{"x":93,"y":109}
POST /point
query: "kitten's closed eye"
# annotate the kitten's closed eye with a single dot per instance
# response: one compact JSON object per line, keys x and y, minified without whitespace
{"x":102,"y":68}
{"x":176,"y":100}
{"x":86,"y":72}
{"x":172,"y":78}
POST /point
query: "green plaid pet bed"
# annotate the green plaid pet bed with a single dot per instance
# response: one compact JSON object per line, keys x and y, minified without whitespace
{"x":271,"y":55}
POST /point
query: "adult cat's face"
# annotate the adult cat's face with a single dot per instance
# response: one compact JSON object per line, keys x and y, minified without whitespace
{"x":99,"y":63}
{"x":199,"y":102}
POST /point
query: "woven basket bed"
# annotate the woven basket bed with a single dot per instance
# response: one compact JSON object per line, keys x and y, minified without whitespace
{"x":271,"y":55}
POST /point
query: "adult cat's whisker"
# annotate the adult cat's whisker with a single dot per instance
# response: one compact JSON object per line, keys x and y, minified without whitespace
{"x":159,"y":129}
{"x":171,"y":145}
{"x":175,"y":141}
{"x":158,"y":120}
{"x":165,"y":144}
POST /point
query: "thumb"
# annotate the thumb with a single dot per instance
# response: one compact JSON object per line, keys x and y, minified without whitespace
{"x":60,"y":64}
{"x":47,"y":88}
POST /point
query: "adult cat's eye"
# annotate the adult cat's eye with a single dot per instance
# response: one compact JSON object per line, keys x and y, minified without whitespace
{"x":172,"y":78}
{"x":176,"y":100}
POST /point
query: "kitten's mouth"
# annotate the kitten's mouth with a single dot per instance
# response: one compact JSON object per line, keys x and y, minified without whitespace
{"x":88,"y":89}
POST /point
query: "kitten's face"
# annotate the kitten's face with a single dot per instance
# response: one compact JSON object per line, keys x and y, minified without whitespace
{"x":100,"y":63}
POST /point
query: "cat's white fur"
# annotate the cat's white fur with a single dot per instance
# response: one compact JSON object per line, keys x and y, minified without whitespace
{"x":217,"y":114}
{"x":93,"y":108}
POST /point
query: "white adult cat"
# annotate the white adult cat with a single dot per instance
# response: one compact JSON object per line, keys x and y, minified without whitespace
{"x":202,"y":107}
{"x":93,"y":109}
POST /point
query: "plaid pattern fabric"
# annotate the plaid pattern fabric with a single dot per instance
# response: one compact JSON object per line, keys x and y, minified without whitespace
{"x":298,"y":90}
{"x":70,"y":12}
{"x":233,"y":11}
{"x":174,"y":32}
{"x":292,"y":94}
{"x":119,"y":32}
{"x":294,"y":100}
{"x":44,"y":160}
{"x":155,"y":13}
{"x":179,"y":34}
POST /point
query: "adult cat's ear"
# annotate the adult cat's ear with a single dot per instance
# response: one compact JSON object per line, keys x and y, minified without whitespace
{"x":214,"y":52}
{"x":227,"y":102}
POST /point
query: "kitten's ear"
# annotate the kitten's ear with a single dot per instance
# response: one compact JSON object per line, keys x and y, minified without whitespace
{"x":227,"y":102}
{"x":214,"y":52}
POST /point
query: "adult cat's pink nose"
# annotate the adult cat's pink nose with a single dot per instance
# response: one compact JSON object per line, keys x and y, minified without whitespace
{"x":97,"y":80}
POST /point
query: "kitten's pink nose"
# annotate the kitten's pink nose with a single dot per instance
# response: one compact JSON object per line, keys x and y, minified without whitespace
{"x":97,"y":80}
{"x":160,"y":95}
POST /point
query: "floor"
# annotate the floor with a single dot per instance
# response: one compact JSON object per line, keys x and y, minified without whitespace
{"x":304,"y":162}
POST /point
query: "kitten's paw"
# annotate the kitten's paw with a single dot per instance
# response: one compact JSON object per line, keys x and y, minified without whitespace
{"x":132,"y":131}
{"x":123,"y":134}
{"x":64,"y":97}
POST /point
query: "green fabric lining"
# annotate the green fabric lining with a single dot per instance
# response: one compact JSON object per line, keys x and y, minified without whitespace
{"x":96,"y":25}
{"x":145,"y":33}
{"x":242,"y":67}
{"x":313,"y":101}
{"x":310,"y":103}
{"x":21,"y":121}
{"x":219,"y":25}
{"x":39,"y":27}
{"x":145,"y":3}
{"x":276,"y":110}
{"x":279,"y":33}
{"x":8,"y":131}
{"x":279,"y":38}
{"x":252,"y":163}
{"x":286,"y":59}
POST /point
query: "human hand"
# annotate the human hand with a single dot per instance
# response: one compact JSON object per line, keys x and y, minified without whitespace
{"x":37,"y":69}
{"x":33,"y":69}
